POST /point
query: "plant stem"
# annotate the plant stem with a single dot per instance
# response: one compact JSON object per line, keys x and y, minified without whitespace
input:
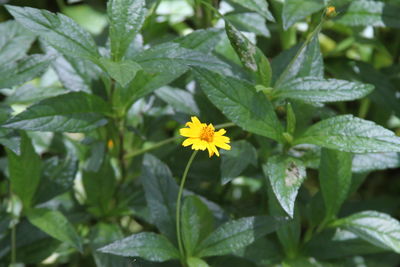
{"x":13,"y":244}
{"x":155,"y":146}
{"x":178,"y":206}
{"x":14,"y":219}
{"x":225,"y":125}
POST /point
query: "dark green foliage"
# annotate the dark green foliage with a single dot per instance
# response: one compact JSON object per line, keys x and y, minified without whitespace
{"x":93,"y":95}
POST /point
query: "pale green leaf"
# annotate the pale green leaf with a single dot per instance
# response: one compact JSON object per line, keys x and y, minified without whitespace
{"x":259,"y":6}
{"x":126,"y":18}
{"x":196,"y":262}
{"x":363,"y":163}
{"x":149,"y":246}
{"x":351,"y":134}
{"x":58,"y":30}
{"x":72,"y":112}
{"x":249,"y":22}
{"x":55,"y":224}
{"x":123,"y":71}
{"x":375,"y":227}
{"x":161,"y":191}
{"x":15,"y":41}
{"x":25,"y":171}
{"x":196,"y":223}
{"x":313,"y":89}
{"x":236,"y":234}
{"x":295,"y":10}
{"x":236,"y":160}
{"x":23,"y":70}
{"x":285,"y":176}
{"x":371,"y":13}
{"x":303,"y":60}
{"x":180,"y":100}
{"x":334,"y":179}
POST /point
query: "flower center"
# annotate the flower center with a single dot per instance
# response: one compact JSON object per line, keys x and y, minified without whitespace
{"x":207,"y":134}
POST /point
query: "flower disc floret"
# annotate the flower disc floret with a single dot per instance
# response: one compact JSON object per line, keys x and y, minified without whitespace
{"x":202,"y":136}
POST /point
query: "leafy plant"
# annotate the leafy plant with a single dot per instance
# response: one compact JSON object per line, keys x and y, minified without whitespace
{"x":302,"y":133}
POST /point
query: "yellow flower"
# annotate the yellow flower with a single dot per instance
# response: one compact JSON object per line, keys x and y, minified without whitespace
{"x":202,"y":136}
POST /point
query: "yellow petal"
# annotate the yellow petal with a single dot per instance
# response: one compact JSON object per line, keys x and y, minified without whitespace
{"x":199,"y":144}
{"x":188,"y":142}
{"x":220,"y":132}
{"x":210,"y":151}
{"x":222,"y":139}
{"x":190,"y":132}
{"x":223,"y":145}
{"x":195,"y":120}
{"x":214,"y":148}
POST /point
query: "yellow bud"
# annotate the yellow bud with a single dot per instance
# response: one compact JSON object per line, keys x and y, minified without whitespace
{"x":110,"y":144}
{"x":330,"y":11}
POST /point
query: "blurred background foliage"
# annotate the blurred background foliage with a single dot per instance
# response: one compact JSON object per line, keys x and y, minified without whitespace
{"x":354,"y":48}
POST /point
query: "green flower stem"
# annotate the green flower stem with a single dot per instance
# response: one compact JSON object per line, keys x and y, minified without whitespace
{"x":178,"y":205}
{"x":13,"y":244}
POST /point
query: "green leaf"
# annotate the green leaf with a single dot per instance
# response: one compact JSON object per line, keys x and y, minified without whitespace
{"x":149,"y":246}
{"x":286,"y":176}
{"x":16,"y":73}
{"x":288,"y":234}
{"x":180,"y":100}
{"x":167,"y":56}
{"x":58,"y":177}
{"x":250,"y":56}
{"x":336,"y":245}
{"x":201,"y":40}
{"x":172,"y":55}
{"x":313,"y":89}
{"x":236,"y":234}
{"x":196,"y":262}
{"x":363,"y":163}
{"x":197,"y":222}
{"x":59,"y":31}
{"x":75,"y":74}
{"x":72,"y":112}
{"x":24,"y":171}
{"x":290,"y":119}
{"x":249,"y":22}
{"x":371,"y":13}
{"x":295,"y":10}
{"x":259,"y":6}
{"x":28,"y":94}
{"x":161,"y":191}
{"x":99,"y":188}
{"x":377,"y":228}
{"x":335,"y":179}
{"x":100,"y":235}
{"x":15,"y":41}
{"x":123,"y":71}
{"x":11,"y":140}
{"x":126,"y":18}
{"x":239,"y":101}
{"x":55,"y":224}
{"x":351,"y":134}
{"x":236,"y":160}
{"x":303,"y":60}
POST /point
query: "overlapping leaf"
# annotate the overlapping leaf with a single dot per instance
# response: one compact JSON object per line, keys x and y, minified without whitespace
{"x":72,"y":112}
{"x":239,"y":101}
{"x":59,"y":31}
{"x":351,"y":134}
